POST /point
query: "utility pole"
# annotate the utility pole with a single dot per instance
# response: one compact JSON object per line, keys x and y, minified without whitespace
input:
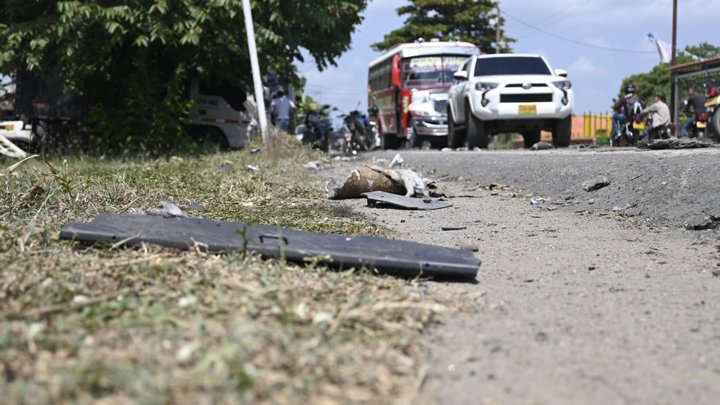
{"x":259,"y":99}
{"x":497,"y":29}
{"x":673,"y":76}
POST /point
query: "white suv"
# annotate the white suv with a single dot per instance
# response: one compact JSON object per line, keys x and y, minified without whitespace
{"x":509,"y":93}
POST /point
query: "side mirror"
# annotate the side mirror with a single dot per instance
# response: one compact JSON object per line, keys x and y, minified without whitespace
{"x":460,"y":75}
{"x":561,"y":72}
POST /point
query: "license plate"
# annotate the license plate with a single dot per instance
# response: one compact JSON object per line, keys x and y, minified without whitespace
{"x":701,"y":124}
{"x":527,"y":109}
{"x":711,"y":102}
{"x":9,"y":127}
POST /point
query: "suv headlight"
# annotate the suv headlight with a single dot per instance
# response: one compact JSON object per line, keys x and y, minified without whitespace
{"x":563,"y":85}
{"x":485,"y":86}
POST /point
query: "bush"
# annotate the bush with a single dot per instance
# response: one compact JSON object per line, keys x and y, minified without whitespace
{"x":602,"y":138}
{"x":151,"y":117}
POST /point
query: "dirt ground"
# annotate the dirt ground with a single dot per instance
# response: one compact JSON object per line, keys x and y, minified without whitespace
{"x":576,"y":301}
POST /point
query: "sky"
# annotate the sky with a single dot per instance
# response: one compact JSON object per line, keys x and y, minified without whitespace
{"x":576,"y":33}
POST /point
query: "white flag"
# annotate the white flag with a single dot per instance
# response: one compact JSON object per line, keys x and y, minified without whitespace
{"x":664,"y":49}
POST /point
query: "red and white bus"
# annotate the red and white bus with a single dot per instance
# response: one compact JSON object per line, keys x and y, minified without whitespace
{"x":406,"y":67}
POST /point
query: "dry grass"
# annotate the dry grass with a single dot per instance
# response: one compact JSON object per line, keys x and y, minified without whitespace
{"x":153,"y":325}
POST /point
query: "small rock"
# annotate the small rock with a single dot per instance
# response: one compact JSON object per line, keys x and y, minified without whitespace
{"x":541,"y":146}
{"x":185,"y":353}
{"x":322,"y":317}
{"x":188,"y":301}
{"x":469,"y":245}
{"x":595,"y":184}
{"x":254,"y":151}
{"x":541,"y":337}
{"x":252,"y":168}
{"x":539,"y":200}
{"x":80,"y":300}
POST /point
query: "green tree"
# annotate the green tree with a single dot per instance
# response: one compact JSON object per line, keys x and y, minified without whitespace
{"x":117,"y":55}
{"x":658,"y":80}
{"x":463,"y":20}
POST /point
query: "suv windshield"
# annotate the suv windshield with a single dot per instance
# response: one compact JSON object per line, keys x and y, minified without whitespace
{"x":520,"y":65}
{"x":430,"y":70}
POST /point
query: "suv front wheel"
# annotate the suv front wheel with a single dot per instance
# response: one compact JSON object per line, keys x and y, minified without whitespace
{"x":561,"y":132}
{"x":476,"y":134}
{"x":456,"y":136}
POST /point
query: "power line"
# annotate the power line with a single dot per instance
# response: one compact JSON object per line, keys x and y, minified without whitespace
{"x":606,"y":48}
{"x":554,"y":17}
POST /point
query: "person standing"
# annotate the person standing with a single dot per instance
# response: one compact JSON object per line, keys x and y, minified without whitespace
{"x":660,"y":118}
{"x":696,"y":102}
{"x":281,"y":107}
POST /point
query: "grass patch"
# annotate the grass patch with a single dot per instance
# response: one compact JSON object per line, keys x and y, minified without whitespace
{"x":154,"y":325}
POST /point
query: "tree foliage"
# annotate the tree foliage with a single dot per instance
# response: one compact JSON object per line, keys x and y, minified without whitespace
{"x":658,"y":80}
{"x":463,"y":20}
{"x":116,"y":54}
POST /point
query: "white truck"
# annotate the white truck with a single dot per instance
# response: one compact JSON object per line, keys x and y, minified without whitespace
{"x":505,"y":93}
{"x":41,"y":111}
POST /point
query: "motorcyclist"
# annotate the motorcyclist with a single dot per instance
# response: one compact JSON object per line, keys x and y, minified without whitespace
{"x":625,"y":108}
{"x":660,"y":116}
{"x":696,"y":102}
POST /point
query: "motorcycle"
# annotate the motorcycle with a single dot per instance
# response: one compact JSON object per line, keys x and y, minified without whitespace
{"x":629,"y":131}
{"x":317,"y":130}
{"x":364,"y":134}
{"x":699,"y":126}
{"x":712,"y":107}
{"x":662,"y":132}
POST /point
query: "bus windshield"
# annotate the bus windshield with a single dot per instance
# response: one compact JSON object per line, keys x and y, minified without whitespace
{"x":427,"y":71}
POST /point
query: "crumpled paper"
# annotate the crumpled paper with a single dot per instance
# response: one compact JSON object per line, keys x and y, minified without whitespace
{"x":365,"y":179}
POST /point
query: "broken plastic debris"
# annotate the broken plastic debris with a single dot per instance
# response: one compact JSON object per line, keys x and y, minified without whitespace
{"x":397,"y":160}
{"x":313,"y":165}
{"x":389,"y":256}
{"x":165,"y":209}
{"x":381,"y":198}
{"x":453,"y":228}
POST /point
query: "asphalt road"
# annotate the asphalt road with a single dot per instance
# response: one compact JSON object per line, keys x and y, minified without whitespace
{"x":596,"y":297}
{"x":674,"y":187}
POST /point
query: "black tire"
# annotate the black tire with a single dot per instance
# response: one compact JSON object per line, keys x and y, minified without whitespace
{"x":390,"y":141}
{"x":416,"y":141}
{"x":531,"y":138}
{"x":439,"y":142}
{"x":561,"y":132}
{"x":210,"y":137}
{"x":714,"y":124}
{"x":476,"y":134}
{"x":456,"y":136}
{"x":360,"y":141}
